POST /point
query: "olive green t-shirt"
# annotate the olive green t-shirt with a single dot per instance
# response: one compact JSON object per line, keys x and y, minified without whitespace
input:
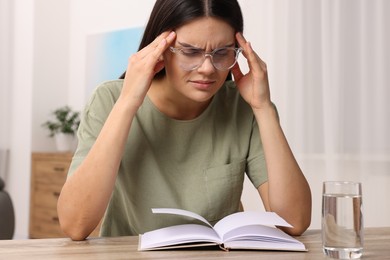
{"x":197,"y":165}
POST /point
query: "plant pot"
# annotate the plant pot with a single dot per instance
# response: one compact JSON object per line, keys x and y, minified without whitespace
{"x":65,"y":142}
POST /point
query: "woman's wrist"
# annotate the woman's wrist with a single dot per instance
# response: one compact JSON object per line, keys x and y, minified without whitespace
{"x":265,"y":112}
{"x":128,"y":105}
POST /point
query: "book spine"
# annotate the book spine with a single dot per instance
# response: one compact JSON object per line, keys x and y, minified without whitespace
{"x":223,"y":248}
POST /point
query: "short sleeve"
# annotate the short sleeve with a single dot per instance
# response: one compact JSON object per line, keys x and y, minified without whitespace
{"x":93,"y":119}
{"x":256,"y":168}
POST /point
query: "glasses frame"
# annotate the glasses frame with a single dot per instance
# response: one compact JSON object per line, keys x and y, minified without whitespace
{"x":207,"y":54}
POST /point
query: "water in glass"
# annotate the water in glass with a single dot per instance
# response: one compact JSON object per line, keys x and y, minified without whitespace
{"x":342,"y":226}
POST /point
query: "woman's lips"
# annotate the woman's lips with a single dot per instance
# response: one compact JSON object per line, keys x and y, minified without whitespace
{"x":202,"y":84}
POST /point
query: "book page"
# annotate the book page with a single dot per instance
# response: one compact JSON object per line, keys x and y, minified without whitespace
{"x":263,"y":237}
{"x":264,"y":245}
{"x":176,"y":235}
{"x":247,"y":218}
{"x":244,"y":230}
{"x":181,"y":212}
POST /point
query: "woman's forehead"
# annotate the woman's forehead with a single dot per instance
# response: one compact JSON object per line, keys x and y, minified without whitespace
{"x":205,"y":31}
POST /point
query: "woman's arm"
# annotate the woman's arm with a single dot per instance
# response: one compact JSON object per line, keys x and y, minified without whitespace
{"x":287,"y":191}
{"x":86,"y":193}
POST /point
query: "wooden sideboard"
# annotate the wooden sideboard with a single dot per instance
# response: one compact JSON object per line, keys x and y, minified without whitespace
{"x":48,"y":175}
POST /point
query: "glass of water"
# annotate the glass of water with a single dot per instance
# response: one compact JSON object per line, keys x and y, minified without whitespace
{"x":342,"y":219}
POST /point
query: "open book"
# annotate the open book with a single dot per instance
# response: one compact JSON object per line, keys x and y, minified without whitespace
{"x":242,"y":230}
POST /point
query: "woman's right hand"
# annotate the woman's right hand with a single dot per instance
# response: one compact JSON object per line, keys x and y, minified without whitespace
{"x":142,"y":67}
{"x":87,"y":192}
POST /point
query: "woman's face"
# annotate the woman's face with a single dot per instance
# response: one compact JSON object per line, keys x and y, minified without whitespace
{"x":202,"y":83}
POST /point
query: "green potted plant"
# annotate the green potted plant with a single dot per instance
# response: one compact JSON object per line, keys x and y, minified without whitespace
{"x":63,"y":127}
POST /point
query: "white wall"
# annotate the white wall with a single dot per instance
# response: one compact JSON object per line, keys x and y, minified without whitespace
{"x":50,"y":65}
{"x":103,"y":17}
{"x":47,"y":69}
{"x":61,"y":30}
{"x":20,"y":109}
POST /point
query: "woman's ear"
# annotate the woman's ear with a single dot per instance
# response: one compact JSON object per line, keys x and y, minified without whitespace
{"x":159,"y":66}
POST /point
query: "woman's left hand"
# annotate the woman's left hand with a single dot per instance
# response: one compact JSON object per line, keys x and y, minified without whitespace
{"x":253,"y":86}
{"x":287,"y":191}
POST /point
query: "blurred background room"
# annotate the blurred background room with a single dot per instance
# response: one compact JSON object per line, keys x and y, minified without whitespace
{"x":329,"y":71}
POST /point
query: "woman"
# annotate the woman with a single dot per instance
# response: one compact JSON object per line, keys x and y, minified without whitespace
{"x":176,"y":132}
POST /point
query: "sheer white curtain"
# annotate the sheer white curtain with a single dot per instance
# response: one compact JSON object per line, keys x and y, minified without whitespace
{"x":329,"y":70}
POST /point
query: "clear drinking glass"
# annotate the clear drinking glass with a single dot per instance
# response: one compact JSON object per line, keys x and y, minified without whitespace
{"x":342,"y":219}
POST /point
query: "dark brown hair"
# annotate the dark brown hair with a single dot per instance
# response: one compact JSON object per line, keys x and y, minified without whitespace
{"x":170,"y":14}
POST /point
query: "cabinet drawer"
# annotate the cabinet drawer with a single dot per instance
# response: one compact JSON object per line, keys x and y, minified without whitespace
{"x":45,"y":224}
{"x":45,"y":196}
{"x":51,"y":172}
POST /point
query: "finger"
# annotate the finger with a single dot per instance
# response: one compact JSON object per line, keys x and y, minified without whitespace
{"x":244,"y":44}
{"x":155,"y":58}
{"x":255,"y":63}
{"x":151,"y":46}
{"x":171,"y":37}
{"x":150,"y":58}
{"x":168,"y":36}
{"x":241,"y":40}
{"x":164,"y":44}
{"x":158,"y":39}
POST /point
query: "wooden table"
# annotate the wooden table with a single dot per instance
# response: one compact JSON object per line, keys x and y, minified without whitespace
{"x":377,"y":246}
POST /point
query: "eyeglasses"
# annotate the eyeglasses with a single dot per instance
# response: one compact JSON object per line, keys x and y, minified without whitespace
{"x":192,"y":58}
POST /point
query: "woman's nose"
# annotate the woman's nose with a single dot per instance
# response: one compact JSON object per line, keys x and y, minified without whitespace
{"x":207,"y":65}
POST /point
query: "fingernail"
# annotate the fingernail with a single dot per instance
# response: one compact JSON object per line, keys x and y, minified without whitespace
{"x":171,"y":34}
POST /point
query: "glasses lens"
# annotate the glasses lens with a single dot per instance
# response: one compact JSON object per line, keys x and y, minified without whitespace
{"x":224,"y":59}
{"x":191,"y":58}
